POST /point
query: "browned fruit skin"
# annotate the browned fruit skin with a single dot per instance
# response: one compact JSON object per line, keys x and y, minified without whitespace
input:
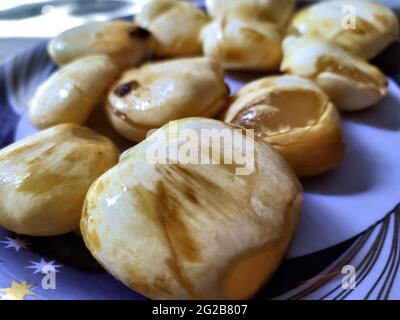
{"x":193,"y":231}
{"x":44,"y":178}
{"x":366,"y":34}
{"x":274,"y":11}
{"x":123,"y":42}
{"x":71,"y":94}
{"x":350,"y":82}
{"x":240,"y":43}
{"x":174,"y":27}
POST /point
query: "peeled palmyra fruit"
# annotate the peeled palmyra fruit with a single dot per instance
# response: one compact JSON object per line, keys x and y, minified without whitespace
{"x":179,"y":230}
{"x":295,"y":117}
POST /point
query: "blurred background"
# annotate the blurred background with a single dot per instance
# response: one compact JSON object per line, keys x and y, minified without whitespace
{"x":24,"y":23}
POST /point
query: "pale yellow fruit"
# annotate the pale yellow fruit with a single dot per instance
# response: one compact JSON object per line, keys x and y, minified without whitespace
{"x":44,"y":178}
{"x":174,"y":25}
{"x":350,"y":82}
{"x":295,"y":117}
{"x":70,"y":94}
{"x":194,"y":231}
{"x":274,"y":11}
{"x":125,"y":43}
{"x":148,"y":97}
{"x":241,"y":43}
{"x":363,"y":28}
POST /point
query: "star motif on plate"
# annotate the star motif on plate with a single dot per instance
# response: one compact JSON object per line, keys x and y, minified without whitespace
{"x":16,"y":243}
{"x":43,"y":266}
{"x":17,"y":291}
